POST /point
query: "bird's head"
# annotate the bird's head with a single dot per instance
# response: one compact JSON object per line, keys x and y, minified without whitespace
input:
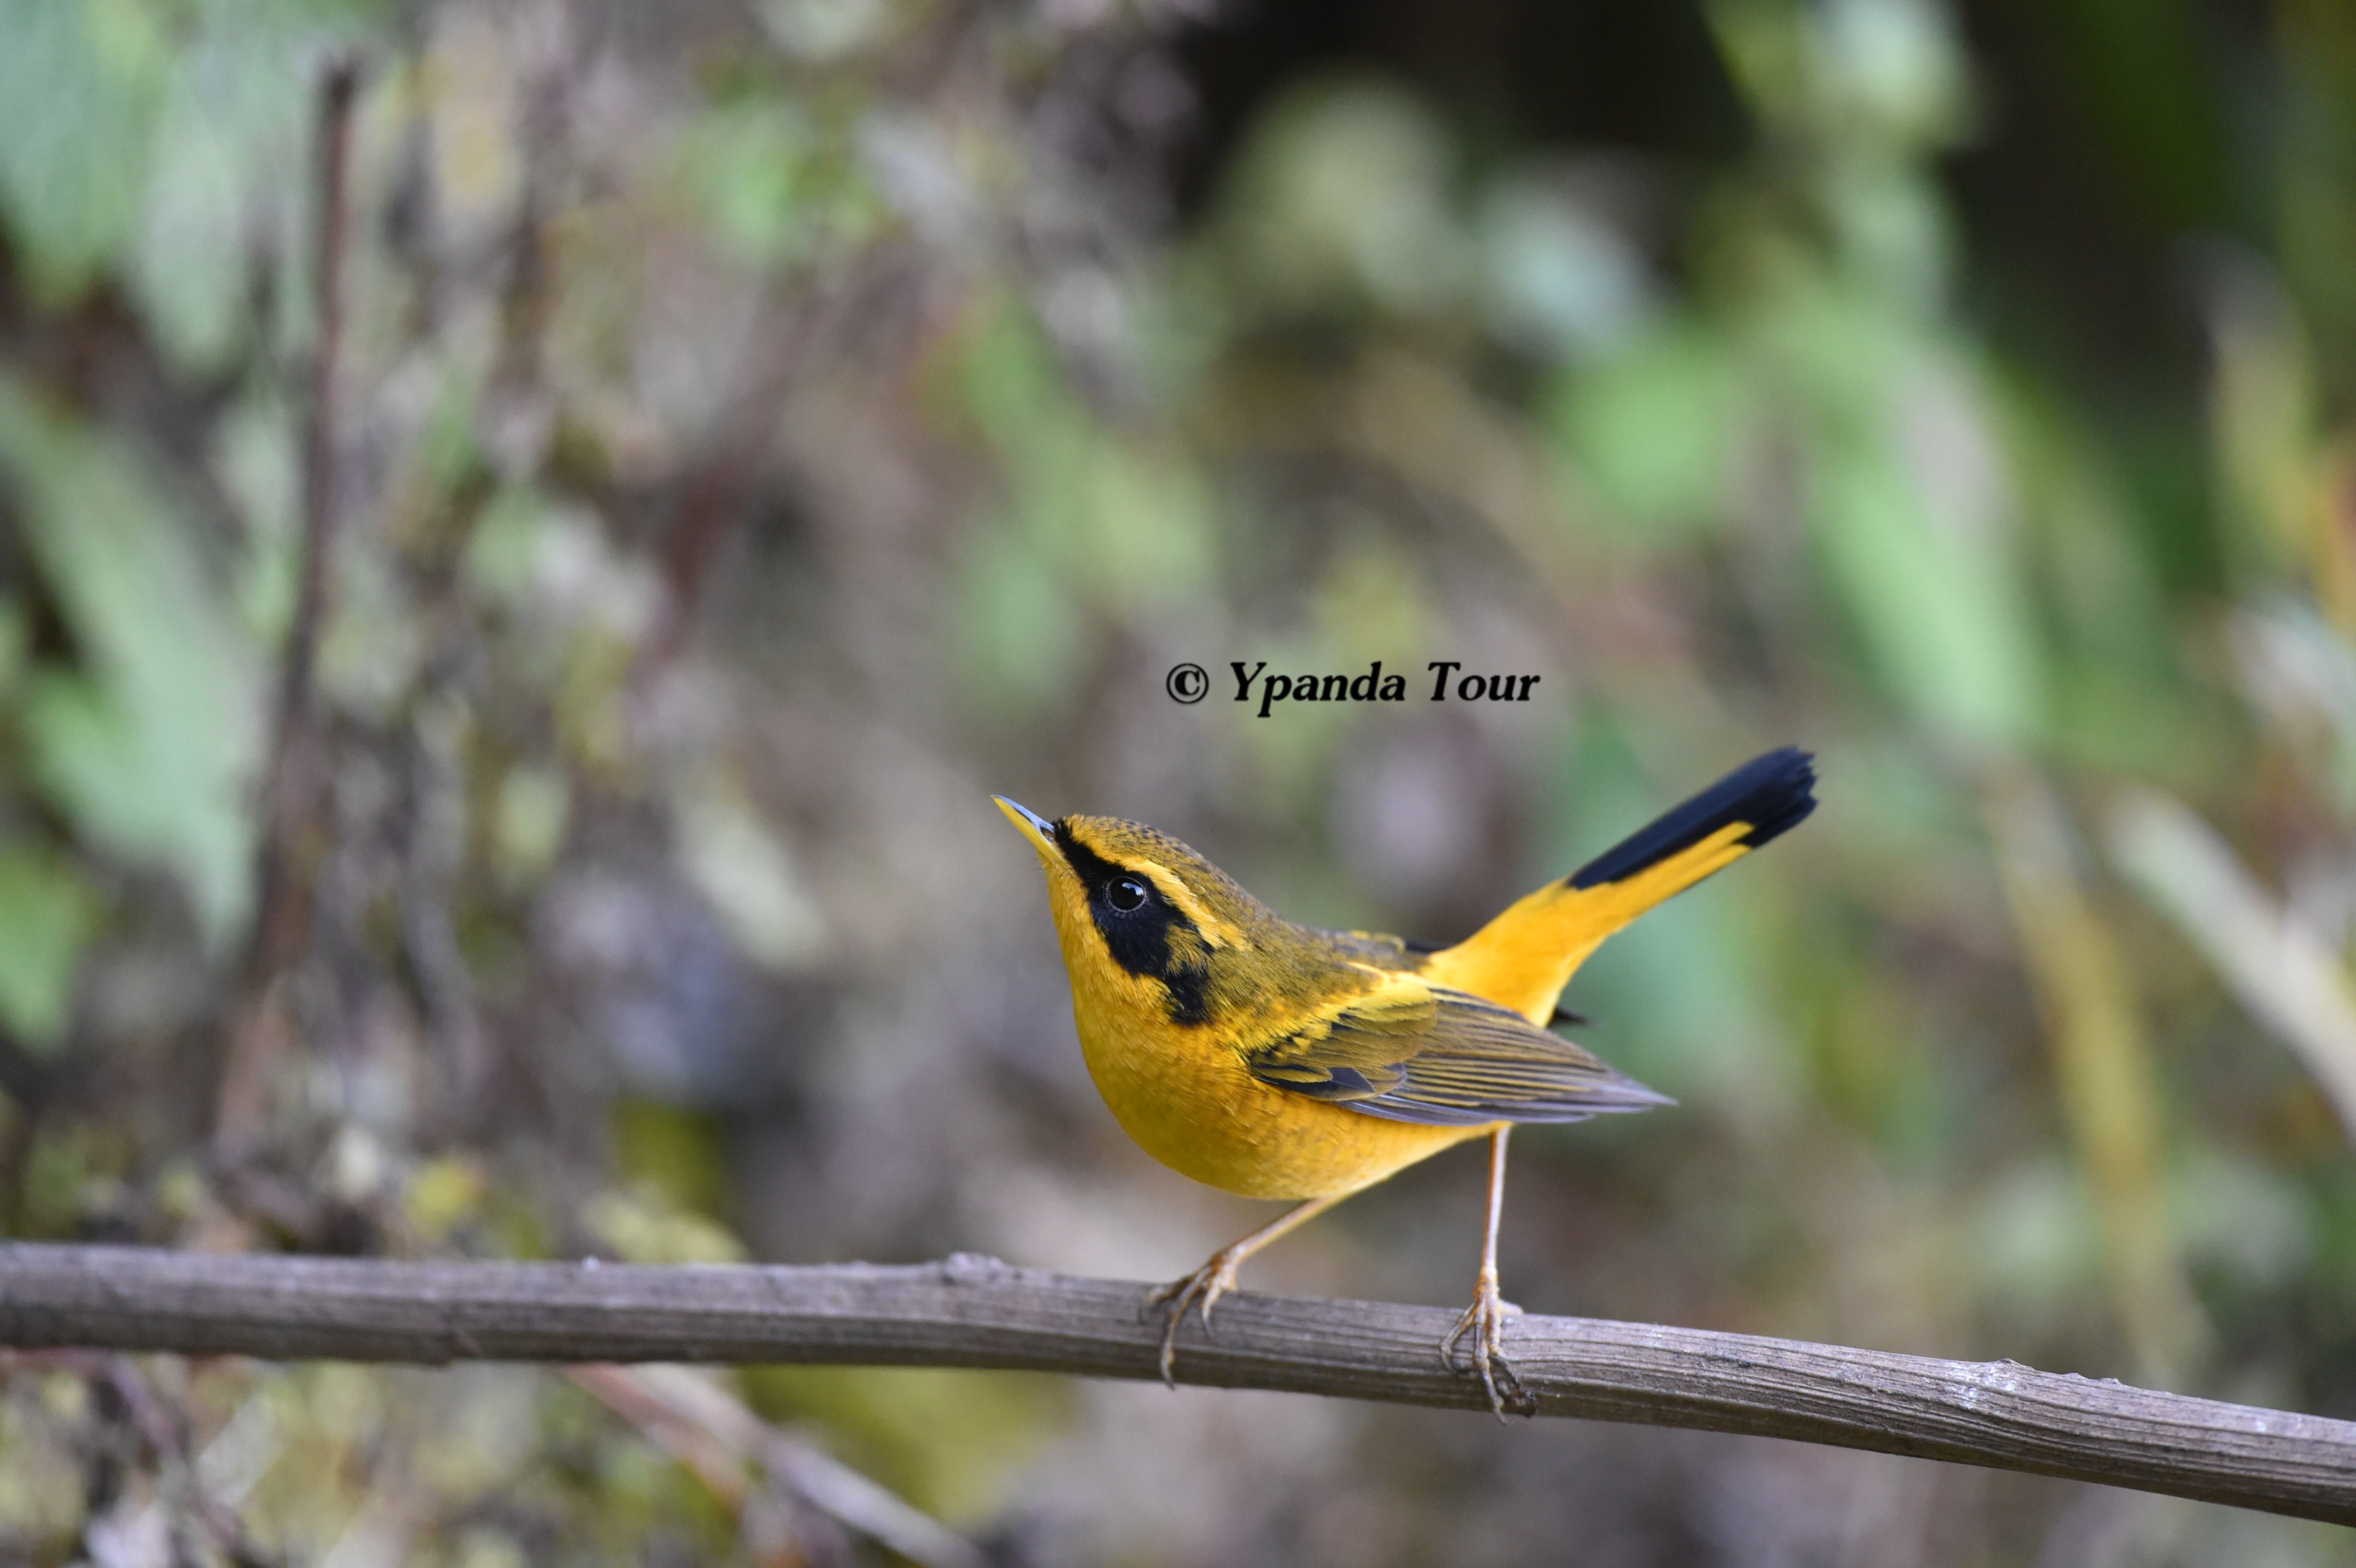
{"x":1140,"y":910}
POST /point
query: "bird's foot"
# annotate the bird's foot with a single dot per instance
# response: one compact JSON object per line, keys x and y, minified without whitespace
{"x":1485,"y":1321}
{"x":1207,"y":1284}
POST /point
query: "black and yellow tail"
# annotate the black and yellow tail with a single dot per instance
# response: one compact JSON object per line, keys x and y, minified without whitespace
{"x":1763,"y":799}
{"x":1523,"y":958}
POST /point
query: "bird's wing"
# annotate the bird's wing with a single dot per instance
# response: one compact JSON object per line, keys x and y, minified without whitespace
{"x":1408,"y":1051}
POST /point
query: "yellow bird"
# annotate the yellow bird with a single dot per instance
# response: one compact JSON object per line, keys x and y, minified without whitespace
{"x":1281,"y":1060}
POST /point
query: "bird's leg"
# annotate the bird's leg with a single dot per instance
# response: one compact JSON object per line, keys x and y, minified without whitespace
{"x":1217,"y":1277}
{"x":1486,"y":1319}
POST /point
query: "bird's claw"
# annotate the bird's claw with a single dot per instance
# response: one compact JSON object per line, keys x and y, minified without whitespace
{"x":1485,"y":1321}
{"x":1209,"y":1282}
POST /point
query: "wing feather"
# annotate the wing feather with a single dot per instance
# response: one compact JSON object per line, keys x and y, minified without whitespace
{"x":1409,"y":1052}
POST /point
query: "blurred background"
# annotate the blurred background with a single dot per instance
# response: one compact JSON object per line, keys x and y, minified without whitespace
{"x":519,"y":580}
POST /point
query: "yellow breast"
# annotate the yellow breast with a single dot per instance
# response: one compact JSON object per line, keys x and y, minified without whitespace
{"x":1184,"y":1093}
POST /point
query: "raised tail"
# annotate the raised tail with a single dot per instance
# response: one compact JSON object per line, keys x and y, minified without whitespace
{"x":1523,"y":958}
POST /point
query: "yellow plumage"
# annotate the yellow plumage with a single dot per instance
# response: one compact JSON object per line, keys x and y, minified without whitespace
{"x":1279,"y":1061}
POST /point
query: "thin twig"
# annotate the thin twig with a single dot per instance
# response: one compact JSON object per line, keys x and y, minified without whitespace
{"x":164,"y":1431}
{"x":713,"y":501}
{"x":977,"y":1312}
{"x":773,"y":1532}
{"x":661,"y":1400}
{"x":718,"y":1464}
{"x":291,"y":776}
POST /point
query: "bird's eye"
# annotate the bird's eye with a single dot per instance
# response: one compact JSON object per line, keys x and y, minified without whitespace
{"x":1125,"y":894}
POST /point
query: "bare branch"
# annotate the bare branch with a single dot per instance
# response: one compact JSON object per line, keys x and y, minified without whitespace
{"x":669,"y":1403}
{"x":977,"y":1312}
{"x":293,"y":781}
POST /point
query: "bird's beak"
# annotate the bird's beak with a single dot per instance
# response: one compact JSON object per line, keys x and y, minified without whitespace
{"x":1036,"y":828}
